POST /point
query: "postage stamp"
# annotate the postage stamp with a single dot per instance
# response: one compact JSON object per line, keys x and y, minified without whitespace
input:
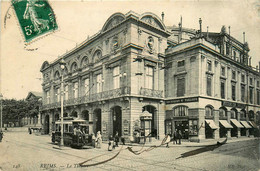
{"x":35,"y":17}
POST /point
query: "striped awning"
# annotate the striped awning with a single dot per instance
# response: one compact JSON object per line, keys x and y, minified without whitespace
{"x":246,"y":125}
{"x":225,"y":124}
{"x":253,"y":124}
{"x":236,"y":123}
{"x":211,"y":124}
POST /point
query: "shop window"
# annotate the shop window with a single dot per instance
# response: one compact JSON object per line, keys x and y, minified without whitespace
{"x":193,"y":127}
{"x":242,"y":93}
{"x":222,"y":112}
{"x":209,"y":85}
{"x":116,"y":77}
{"x":209,"y":111}
{"x":149,"y":77}
{"x":180,"y":111}
{"x":180,"y":87}
{"x":222,"y":89}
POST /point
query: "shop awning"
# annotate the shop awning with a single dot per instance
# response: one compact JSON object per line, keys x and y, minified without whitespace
{"x":253,"y":124}
{"x":236,"y":123}
{"x":246,"y":125}
{"x":225,"y":124}
{"x":211,"y":124}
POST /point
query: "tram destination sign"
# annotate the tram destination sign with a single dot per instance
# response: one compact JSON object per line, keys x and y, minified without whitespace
{"x":183,"y":100}
{"x":233,"y":104}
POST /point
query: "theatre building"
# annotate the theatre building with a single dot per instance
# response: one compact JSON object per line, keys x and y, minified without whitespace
{"x":138,"y":73}
{"x":211,"y":89}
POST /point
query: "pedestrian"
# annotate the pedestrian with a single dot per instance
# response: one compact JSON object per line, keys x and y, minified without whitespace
{"x":93,"y":140}
{"x":99,"y":139}
{"x":138,"y":137}
{"x":179,"y":136}
{"x":116,"y":139}
{"x":123,"y":140}
{"x":111,"y":145}
{"x":168,"y":140}
{"x":29,"y":130}
{"x":175,"y":137}
{"x":1,"y":136}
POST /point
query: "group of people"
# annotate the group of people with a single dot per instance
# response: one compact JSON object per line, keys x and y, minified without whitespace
{"x":113,"y":142}
{"x":96,"y":140}
{"x":177,"y":135}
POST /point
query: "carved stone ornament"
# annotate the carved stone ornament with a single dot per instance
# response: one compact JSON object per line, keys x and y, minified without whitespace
{"x":150,"y":44}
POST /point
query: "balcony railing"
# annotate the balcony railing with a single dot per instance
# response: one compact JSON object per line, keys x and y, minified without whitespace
{"x":91,"y":98}
{"x":151,"y":93}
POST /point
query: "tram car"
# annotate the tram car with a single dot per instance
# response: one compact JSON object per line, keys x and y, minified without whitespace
{"x":75,"y":134}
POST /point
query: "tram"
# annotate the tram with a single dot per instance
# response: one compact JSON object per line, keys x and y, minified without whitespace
{"x":75,"y":132}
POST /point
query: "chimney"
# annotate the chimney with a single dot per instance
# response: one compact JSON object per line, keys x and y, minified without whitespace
{"x":200,"y":22}
{"x":207,"y":32}
{"x":259,"y":65}
{"x":163,"y":17}
{"x":244,"y":37}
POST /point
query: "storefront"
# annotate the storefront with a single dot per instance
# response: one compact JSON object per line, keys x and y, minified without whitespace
{"x":224,"y":127}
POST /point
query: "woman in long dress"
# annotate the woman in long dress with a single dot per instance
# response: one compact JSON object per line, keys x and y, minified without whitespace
{"x":99,"y":139}
{"x":31,"y":13}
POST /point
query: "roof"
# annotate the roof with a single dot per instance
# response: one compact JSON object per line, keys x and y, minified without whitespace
{"x":34,"y":94}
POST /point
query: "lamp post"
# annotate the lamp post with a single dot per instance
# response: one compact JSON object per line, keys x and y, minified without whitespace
{"x":1,"y":110}
{"x":62,"y":66}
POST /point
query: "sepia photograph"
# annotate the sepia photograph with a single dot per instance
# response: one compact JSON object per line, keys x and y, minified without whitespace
{"x":130,"y":85}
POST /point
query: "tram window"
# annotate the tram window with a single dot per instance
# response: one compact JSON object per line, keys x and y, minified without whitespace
{"x":70,"y":128}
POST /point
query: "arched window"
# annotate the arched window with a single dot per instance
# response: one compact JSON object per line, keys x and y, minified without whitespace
{"x":84,"y":62}
{"x":209,"y":111}
{"x":56,"y":75}
{"x":97,"y":56}
{"x":180,"y":111}
{"x":251,"y":115}
{"x":222,"y":112}
{"x":233,"y":113}
{"x":74,"y":67}
{"x":242,"y":114}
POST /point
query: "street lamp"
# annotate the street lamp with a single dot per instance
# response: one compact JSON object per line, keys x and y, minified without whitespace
{"x":1,"y":109}
{"x":62,"y":66}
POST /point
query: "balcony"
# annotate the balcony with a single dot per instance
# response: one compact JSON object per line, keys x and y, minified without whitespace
{"x":151,"y":93}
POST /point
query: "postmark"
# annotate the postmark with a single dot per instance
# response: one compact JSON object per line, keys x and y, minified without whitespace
{"x":36,"y":18}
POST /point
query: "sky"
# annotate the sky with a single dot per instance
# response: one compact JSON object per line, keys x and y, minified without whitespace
{"x":20,"y":68}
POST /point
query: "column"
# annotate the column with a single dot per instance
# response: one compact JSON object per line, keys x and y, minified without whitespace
{"x":216,"y":120}
{"x":228,"y":120}
{"x":201,"y":124}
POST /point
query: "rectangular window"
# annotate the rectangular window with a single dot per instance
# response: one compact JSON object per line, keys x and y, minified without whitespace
{"x":76,"y":89}
{"x":66,"y":92}
{"x":233,"y":90}
{"x":86,"y":86}
{"x":48,"y":97}
{"x":242,"y":93}
{"x":227,"y":49}
{"x":223,"y":71}
{"x":57,"y":94}
{"x":209,"y":66}
{"x":180,"y":87}
{"x":181,"y":63}
{"x":258,"y":97}
{"x":116,"y":77}
{"x":251,"y":95}
{"x":257,"y":83}
{"x":149,"y":77}
{"x":209,"y":80}
{"x":222,"y":89}
{"x":99,"y":83}
{"x":243,"y":78}
{"x":233,"y":75}
{"x":251,"y":81}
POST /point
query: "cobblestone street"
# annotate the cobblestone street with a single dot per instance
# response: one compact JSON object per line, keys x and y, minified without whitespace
{"x":21,"y":151}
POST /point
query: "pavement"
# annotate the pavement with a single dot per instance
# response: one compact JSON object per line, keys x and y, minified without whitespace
{"x":22,"y":151}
